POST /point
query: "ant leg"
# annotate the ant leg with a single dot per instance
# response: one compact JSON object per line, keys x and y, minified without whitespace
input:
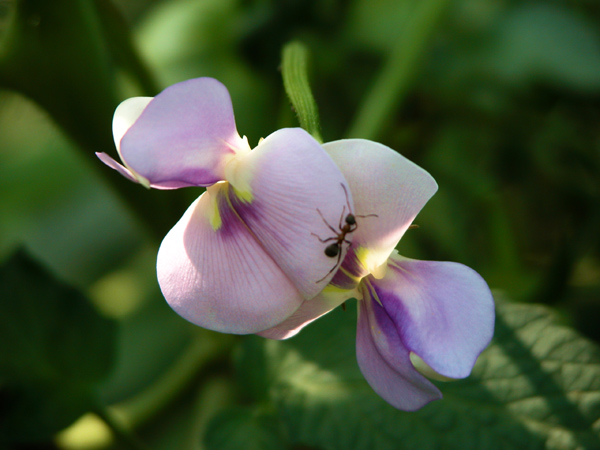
{"x":362,"y":216}
{"x":347,"y":198}
{"x":342,"y":217}
{"x":333,"y":268}
{"x":324,"y":240}
{"x":350,"y":209}
{"x":327,"y":223}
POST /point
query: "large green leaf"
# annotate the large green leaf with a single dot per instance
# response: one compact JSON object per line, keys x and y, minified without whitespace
{"x":63,"y":55}
{"x":54,"y":349}
{"x":536,"y":386}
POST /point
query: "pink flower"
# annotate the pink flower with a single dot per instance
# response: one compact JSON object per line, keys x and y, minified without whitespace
{"x":243,"y":257}
{"x":260,"y":250}
{"x":438,"y":316}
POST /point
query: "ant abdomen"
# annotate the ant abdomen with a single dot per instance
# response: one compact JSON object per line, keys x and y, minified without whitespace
{"x":332,"y":250}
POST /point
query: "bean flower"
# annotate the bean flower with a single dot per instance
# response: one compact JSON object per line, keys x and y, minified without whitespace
{"x":434,"y":316}
{"x":289,"y":230}
{"x":243,"y":258}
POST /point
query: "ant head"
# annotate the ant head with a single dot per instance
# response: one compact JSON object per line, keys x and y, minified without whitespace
{"x":332,"y":250}
{"x":350,"y":219}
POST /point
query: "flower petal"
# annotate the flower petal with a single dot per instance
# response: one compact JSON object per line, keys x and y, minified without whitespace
{"x":125,"y":116}
{"x":110,"y":162}
{"x":215,"y":274}
{"x":183,"y":137}
{"x":384,"y":360}
{"x":384,"y":183}
{"x":310,"y":311}
{"x":295,"y":190}
{"x":443,"y":311}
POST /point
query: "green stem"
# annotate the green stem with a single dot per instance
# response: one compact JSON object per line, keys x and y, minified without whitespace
{"x":203,"y":350}
{"x":392,"y":85}
{"x":294,"y":70}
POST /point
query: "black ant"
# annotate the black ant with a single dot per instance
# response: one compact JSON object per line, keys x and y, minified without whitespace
{"x":349,"y":226}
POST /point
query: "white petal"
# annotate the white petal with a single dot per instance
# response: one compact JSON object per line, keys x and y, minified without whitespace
{"x":125,"y":115}
{"x":384,"y":184}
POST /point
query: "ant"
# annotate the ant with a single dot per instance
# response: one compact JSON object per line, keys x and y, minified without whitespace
{"x":349,"y":225}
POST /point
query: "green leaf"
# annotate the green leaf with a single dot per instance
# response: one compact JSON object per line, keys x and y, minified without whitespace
{"x":63,"y":55}
{"x":73,"y":79}
{"x":546,"y":42}
{"x":55,"y":348}
{"x":237,"y":428}
{"x":536,"y":386}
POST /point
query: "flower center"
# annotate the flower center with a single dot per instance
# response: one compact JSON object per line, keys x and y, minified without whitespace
{"x":239,"y":171}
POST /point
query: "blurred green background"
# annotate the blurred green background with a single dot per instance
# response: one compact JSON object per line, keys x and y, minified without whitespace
{"x":498,"y":99}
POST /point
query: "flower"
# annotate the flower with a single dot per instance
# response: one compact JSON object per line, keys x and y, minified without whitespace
{"x":437,"y":316}
{"x":243,"y":257}
{"x":258,"y":251}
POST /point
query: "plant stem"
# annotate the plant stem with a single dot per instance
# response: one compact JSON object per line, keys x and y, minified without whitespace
{"x":392,"y":85}
{"x":204,"y":349}
{"x":294,"y":70}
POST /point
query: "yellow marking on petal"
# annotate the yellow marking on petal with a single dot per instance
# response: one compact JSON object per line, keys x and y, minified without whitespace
{"x":244,"y":195}
{"x":330,"y":289}
{"x":426,"y":370}
{"x":379,"y":272}
{"x":238,"y":172}
{"x":243,"y":148}
{"x":371,"y":261}
{"x":339,"y":295}
{"x":350,"y":275}
{"x":142,"y":180}
{"x":214,"y":216}
{"x":370,"y":290}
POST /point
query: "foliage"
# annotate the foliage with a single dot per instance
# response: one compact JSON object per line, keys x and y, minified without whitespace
{"x":55,"y":349}
{"x":499,"y":101}
{"x":536,"y":386}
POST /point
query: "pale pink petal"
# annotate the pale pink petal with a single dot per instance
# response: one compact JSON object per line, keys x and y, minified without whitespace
{"x":385,"y":362}
{"x":127,"y":173}
{"x":310,"y":311}
{"x":442,"y":311}
{"x":125,"y":116}
{"x":182,"y":137}
{"x":222,"y":279}
{"x":383,"y":183}
{"x":110,"y":162}
{"x":293,"y":183}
